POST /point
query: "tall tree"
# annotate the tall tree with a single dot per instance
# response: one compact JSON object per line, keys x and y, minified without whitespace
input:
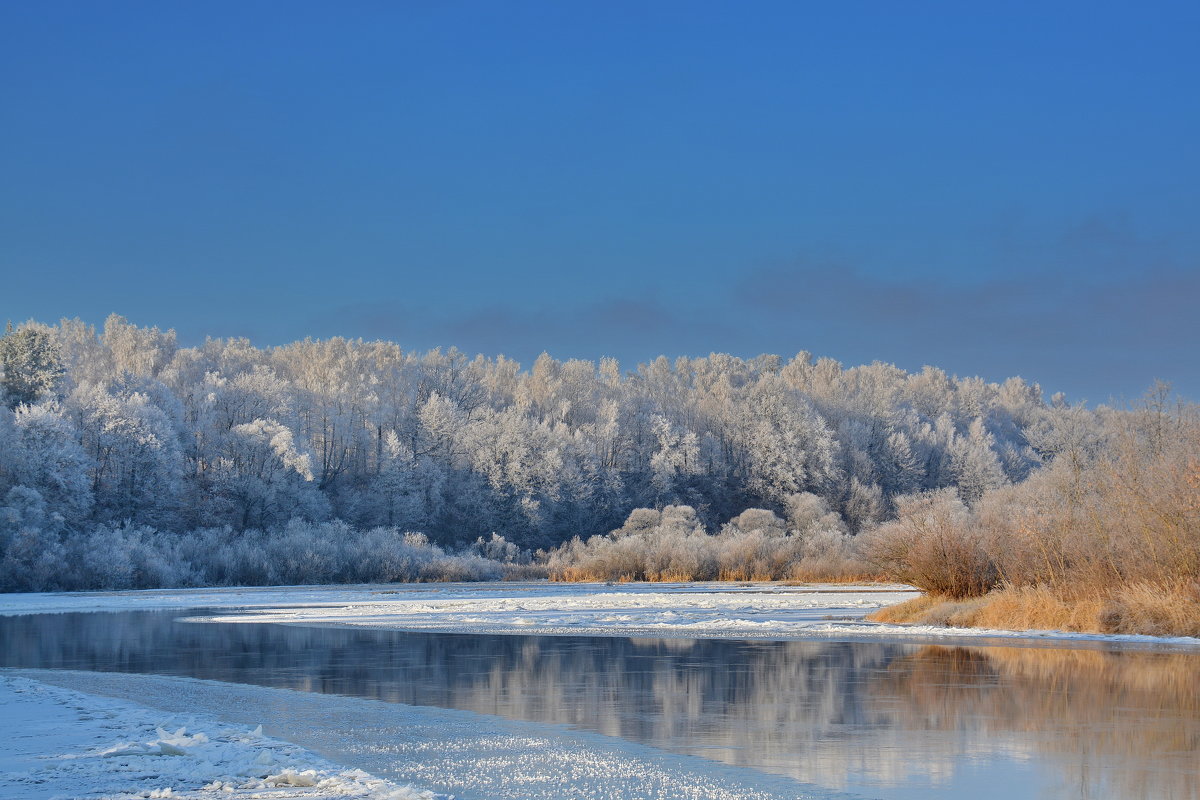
{"x":30,"y":364}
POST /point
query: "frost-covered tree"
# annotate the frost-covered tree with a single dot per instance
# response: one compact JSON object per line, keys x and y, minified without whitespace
{"x":32,"y":556}
{"x":30,"y":364}
{"x":40,"y":450}
{"x":124,"y":429}
{"x":396,"y":496}
{"x":676,"y":458}
{"x":264,"y":478}
{"x":902,"y":467}
{"x":133,"y":454}
{"x":975,"y":463}
{"x":788,"y":448}
{"x":138,"y":351}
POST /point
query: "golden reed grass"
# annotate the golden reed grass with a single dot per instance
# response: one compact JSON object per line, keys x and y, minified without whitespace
{"x":1143,"y":608}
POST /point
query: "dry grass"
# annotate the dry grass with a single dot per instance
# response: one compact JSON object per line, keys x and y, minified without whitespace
{"x":1153,"y":609}
{"x":913,"y":611}
{"x":835,"y":568}
{"x":585,"y":575}
{"x":1149,"y":609}
{"x":802,"y":575}
{"x":931,"y":610}
{"x":1099,"y":542}
{"x":1038,"y":608}
{"x":669,"y":576}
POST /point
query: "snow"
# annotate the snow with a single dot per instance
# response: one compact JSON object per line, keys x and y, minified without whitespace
{"x":178,"y":737}
{"x":695,"y":611}
{"x":701,"y":610}
{"x":705,"y":610}
{"x":59,"y":743}
{"x":460,"y":754}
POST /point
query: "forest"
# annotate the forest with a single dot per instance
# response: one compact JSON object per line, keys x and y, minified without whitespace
{"x":128,"y":460}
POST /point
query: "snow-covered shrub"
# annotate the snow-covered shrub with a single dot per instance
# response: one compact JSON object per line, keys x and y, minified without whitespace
{"x":830,"y":554}
{"x":808,"y":513}
{"x":497,"y":548}
{"x":31,"y":552}
{"x":640,"y":520}
{"x":36,"y":555}
{"x":672,"y":545}
{"x":768,"y":523}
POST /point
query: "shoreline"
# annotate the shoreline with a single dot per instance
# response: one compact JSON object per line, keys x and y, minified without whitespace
{"x":377,"y":748}
{"x":744,"y":610}
{"x":64,"y":742}
{"x":1119,"y":614}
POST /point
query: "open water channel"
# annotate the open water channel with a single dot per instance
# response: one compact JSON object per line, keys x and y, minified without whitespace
{"x":873,"y":719}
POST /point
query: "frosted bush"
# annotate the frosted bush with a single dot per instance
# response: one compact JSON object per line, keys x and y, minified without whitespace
{"x":640,"y":520}
{"x":497,"y":548}
{"x":759,"y":519}
{"x":672,"y":545}
{"x":130,"y":556}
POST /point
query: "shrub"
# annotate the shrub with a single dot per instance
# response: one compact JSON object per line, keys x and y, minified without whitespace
{"x":36,"y":556}
{"x":671,"y":545}
{"x":935,"y":546}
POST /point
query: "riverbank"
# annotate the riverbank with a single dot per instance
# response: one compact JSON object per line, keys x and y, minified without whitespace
{"x":1142,"y":609}
{"x":682,"y":610}
{"x":709,"y":611}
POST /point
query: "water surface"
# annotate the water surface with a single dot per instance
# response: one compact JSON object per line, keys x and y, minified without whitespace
{"x":879,"y":719}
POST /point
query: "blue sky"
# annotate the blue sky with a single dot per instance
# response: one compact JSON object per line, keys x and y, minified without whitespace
{"x":997,"y":191}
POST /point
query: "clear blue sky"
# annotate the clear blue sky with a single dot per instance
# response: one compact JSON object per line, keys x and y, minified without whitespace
{"x":997,"y":191}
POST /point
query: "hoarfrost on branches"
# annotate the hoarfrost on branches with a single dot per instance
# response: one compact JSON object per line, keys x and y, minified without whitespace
{"x":124,"y":437}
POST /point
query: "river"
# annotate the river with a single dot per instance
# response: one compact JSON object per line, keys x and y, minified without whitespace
{"x":874,"y":719}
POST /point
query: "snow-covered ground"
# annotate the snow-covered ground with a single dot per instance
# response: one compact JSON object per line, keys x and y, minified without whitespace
{"x":59,"y":743}
{"x":702,"y":610}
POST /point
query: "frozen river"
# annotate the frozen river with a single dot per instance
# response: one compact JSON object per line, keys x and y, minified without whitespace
{"x":887,"y":719}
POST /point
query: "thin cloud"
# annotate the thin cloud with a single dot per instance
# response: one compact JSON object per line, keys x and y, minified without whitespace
{"x":631,"y":329}
{"x":1133,"y":310}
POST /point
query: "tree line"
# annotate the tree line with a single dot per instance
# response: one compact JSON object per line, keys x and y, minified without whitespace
{"x":121,"y":427}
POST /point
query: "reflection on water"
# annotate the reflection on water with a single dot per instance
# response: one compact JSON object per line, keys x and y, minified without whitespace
{"x":1115,"y":724}
{"x":885,"y":719}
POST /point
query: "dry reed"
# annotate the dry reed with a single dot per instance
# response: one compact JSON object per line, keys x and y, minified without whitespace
{"x":1144,"y":608}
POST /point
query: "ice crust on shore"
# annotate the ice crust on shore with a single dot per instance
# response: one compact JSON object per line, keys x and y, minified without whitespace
{"x":59,"y":743}
{"x":461,"y":754}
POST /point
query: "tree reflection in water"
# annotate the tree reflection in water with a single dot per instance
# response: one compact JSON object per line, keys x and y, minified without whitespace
{"x":1114,"y":724}
{"x":841,"y":714}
